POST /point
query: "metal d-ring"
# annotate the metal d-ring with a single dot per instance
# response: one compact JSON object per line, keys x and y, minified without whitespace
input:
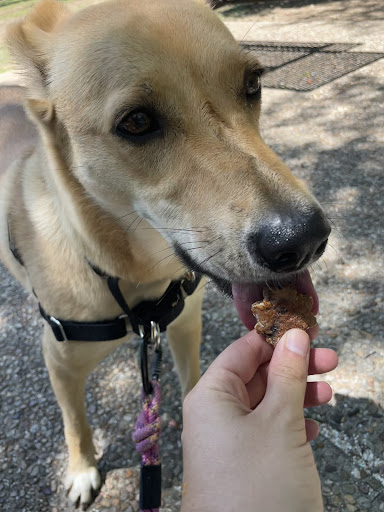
{"x":191,"y":276}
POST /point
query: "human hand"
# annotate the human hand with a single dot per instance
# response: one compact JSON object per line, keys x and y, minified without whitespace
{"x":245,"y":439}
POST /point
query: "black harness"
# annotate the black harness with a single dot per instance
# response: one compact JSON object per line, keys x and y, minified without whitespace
{"x":142,"y":317}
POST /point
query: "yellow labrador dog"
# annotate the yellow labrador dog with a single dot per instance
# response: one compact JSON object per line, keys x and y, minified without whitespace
{"x":132,"y":156}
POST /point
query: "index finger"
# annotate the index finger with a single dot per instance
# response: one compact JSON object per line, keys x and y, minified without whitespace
{"x":244,"y":356}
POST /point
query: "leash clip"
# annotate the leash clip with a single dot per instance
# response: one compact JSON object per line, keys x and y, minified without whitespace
{"x":150,"y":339}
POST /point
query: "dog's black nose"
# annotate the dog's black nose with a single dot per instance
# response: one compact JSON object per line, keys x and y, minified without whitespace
{"x":287,"y":242}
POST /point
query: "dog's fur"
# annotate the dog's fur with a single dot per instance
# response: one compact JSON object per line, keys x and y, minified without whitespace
{"x":79,"y":192}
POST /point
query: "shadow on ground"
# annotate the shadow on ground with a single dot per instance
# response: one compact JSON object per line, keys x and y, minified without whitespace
{"x":349,"y":11}
{"x":346,"y":453}
{"x":344,"y":165}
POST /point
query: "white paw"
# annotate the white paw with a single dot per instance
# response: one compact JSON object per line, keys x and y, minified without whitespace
{"x":80,"y":485}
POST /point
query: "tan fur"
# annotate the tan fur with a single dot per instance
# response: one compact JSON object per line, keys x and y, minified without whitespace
{"x":82,"y":192}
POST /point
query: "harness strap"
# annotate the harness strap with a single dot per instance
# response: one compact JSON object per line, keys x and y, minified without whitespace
{"x":164,"y":310}
{"x":113,"y":285}
{"x":65,"y":330}
{"x":161,"y":311}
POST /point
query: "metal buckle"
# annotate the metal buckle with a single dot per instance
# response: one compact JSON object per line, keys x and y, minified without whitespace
{"x":190,"y":276}
{"x":188,"y":285}
{"x":150,"y":339}
{"x":58,"y":323}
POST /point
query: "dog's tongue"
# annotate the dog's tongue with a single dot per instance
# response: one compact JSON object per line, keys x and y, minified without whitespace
{"x":244,"y":295}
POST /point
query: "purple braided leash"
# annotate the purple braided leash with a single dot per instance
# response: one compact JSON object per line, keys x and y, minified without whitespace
{"x":148,"y":429}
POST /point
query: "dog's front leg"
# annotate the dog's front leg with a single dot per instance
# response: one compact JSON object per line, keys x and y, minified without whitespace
{"x":184,"y":337}
{"x":69,"y":365}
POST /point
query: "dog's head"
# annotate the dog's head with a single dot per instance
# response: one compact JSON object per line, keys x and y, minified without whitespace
{"x":157,"y":107}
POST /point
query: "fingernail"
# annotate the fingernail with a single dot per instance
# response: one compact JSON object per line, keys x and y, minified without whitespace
{"x":297,"y":341}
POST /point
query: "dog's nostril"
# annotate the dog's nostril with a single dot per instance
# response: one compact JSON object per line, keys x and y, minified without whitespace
{"x":286,"y":259}
{"x":305,"y":260}
{"x":321,"y":248}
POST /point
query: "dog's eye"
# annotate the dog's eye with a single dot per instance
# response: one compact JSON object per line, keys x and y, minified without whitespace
{"x":252,"y":83}
{"x":137,"y":124}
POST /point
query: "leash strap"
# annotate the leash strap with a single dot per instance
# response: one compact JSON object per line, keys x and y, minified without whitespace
{"x":146,"y":436}
{"x":148,"y":428}
{"x":150,"y":488}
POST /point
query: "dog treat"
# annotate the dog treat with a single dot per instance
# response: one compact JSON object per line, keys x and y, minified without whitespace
{"x":281,"y":310}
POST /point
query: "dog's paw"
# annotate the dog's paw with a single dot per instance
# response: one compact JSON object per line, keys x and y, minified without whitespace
{"x":82,"y":485}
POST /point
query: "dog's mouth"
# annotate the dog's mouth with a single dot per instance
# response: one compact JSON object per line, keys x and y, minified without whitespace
{"x":245,"y":294}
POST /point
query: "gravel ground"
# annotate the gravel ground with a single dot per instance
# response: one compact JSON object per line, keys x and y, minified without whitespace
{"x":330,"y":137}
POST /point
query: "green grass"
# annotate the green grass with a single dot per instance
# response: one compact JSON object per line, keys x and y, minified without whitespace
{"x":5,"y":64}
{"x":12,"y":10}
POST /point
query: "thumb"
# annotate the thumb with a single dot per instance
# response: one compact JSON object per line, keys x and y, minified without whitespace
{"x":287,"y":374}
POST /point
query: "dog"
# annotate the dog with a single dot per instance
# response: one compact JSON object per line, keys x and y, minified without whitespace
{"x":133,"y":152}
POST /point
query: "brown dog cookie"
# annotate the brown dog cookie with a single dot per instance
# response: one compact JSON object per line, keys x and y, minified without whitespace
{"x":281,"y":310}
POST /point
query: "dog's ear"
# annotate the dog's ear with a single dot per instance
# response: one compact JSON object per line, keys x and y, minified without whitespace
{"x":30,"y":43}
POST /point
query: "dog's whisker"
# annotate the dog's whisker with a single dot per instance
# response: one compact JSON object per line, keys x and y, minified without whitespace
{"x":201,"y":287}
{"x":183,"y":267}
{"x":276,"y":282}
{"x":325,"y":262}
{"x":312,"y":269}
{"x":336,"y":251}
{"x":127,"y":215}
{"x":172,"y":229}
{"x":207,"y":242}
{"x":163,"y":259}
{"x":215,"y":240}
{"x":242,"y":48}
{"x":131,"y":224}
{"x":340,"y":179}
{"x":165,"y":294}
{"x":165,"y":249}
{"x":339,"y":232}
{"x":212,"y":256}
{"x":138,"y":224}
{"x":174,"y":258}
